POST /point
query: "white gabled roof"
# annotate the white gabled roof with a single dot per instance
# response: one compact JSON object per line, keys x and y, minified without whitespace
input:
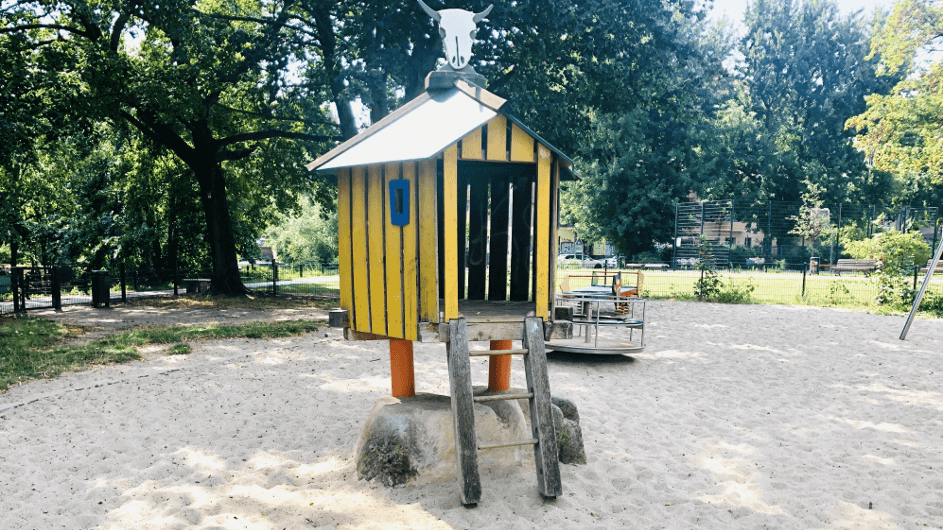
{"x":423,"y":128}
{"x":418,"y":131}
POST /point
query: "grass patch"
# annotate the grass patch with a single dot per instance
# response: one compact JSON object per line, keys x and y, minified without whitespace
{"x":180,"y":349}
{"x":225,"y":302}
{"x":30,"y":348}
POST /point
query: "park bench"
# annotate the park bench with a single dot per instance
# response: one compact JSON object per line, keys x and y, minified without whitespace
{"x":656,"y":266}
{"x":867,"y":266}
{"x":936,"y":270}
{"x":197,"y":285}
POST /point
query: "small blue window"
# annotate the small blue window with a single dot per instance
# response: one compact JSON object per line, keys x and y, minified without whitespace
{"x":399,"y":202}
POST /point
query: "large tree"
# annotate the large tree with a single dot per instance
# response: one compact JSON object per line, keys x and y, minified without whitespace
{"x":648,"y":75}
{"x":900,"y":129}
{"x":208,"y":81}
{"x":806,"y":70}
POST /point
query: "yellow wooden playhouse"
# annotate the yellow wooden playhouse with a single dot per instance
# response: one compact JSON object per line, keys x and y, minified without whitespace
{"x":447,"y":208}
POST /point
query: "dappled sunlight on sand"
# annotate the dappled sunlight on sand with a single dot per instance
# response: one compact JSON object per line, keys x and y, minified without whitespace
{"x":267,"y":488}
{"x":785,"y":417}
{"x":879,"y":460}
{"x":736,"y":477}
{"x":910,"y":397}
{"x":853,"y":517}
{"x":883,"y":427}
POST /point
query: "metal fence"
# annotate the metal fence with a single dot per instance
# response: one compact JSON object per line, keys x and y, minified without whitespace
{"x":30,"y":288}
{"x":729,"y":233}
{"x":780,"y":284}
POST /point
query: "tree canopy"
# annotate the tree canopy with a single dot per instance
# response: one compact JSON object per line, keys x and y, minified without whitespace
{"x":165,"y":131}
{"x":900,"y":129}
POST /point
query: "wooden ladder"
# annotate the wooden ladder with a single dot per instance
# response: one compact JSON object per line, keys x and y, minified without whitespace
{"x":538,"y":395}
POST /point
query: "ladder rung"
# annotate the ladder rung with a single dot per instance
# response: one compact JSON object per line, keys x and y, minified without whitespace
{"x":498,"y":445}
{"x":504,"y":397}
{"x":479,"y":353}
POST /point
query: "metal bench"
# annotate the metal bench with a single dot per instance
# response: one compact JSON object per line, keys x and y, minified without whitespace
{"x":197,"y":285}
{"x":936,"y":270}
{"x":656,"y":266}
{"x":867,"y":266}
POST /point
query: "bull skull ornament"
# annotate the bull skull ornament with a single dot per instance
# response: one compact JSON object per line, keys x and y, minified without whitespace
{"x":457,"y":28}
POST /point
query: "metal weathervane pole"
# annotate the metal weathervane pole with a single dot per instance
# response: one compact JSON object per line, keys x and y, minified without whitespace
{"x":923,"y":289}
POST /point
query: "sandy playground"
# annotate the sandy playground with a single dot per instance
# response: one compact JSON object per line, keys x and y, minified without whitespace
{"x":735,"y":416}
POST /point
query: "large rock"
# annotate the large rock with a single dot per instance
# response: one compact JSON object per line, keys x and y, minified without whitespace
{"x":566,"y":424}
{"x":413,"y":439}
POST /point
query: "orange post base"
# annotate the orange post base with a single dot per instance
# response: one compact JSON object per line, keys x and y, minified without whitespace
{"x":499,"y":367}
{"x":401,"y":368}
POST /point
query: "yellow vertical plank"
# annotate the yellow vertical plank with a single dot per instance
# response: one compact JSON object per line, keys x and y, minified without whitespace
{"x":542,"y":250}
{"x":428,"y":241}
{"x":410,"y":260}
{"x":450,"y":197}
{"x":343,"y":240}
{"x":376,"y":250}
{"x":522,"y":145}
{"x":358,"y":241}
{"x":497,"y":138}
{"x":471,"y":145}
{"x":394,"y":268}
{"x":554,"y":246}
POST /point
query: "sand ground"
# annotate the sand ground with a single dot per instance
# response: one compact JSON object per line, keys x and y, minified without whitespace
{"x":735,"y":416}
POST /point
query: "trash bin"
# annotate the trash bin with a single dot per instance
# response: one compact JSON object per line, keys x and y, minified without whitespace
{"x":101,"y":289}
{"x":814,"y":265}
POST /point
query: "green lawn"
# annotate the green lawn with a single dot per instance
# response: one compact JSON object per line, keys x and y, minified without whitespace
{"x":774,"y":287}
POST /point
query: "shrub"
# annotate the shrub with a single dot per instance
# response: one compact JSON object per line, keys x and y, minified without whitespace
{"x":898,"y":252}
{"x":708,"y":286}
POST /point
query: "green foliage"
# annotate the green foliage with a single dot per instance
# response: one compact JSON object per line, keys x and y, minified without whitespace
{"x":734,"y":294}
{"x":179,"y":349}
{"x":896,"y":251}
{"x":812,"y":221}
{"x":899,"y":130}
{"x":307,"y":237}
{"x":804,"y":73}
{"x":708,"y":286}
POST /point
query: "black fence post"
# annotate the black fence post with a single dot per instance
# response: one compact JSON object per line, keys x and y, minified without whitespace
{"x":56,"y":290}
{"x":16,"y":276}
{"x":916,"y":269}
{"x":274,"y":278}
{"x":700,"y":286}
{"x":805,"y":267}
{"x":176,"y":276}
{"x":124,"y":284}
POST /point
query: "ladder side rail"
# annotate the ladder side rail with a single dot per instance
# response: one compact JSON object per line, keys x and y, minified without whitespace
{"x":546,"y":455}
{"x":463,"y":413}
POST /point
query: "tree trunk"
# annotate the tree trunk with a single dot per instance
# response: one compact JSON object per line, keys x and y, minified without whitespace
{"x":225,"y":279}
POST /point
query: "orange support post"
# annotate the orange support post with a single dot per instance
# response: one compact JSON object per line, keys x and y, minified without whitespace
{"x":499,"y":367}
{"x":401,"y":368}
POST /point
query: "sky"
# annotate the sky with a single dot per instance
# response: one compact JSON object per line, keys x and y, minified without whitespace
{"x":734,"y":8}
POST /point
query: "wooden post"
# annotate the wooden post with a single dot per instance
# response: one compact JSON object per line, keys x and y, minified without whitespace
{"x":401,"y":368}
{"x":499,"y":367}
